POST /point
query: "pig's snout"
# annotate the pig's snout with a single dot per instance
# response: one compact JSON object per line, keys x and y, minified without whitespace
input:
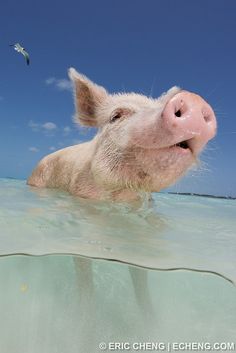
{"x":190,"y":121}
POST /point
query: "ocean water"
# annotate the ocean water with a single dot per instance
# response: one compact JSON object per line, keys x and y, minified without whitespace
{"x":75,"y":273}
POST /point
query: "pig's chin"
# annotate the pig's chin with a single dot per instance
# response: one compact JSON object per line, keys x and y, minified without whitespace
{"x":165,"y":166}
{"x":141,"y":169}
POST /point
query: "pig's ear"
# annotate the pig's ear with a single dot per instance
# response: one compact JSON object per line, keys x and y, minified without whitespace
{"x":88,"y":97}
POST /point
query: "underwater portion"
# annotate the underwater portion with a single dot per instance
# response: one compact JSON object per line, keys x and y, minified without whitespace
{"x":164,"y":273}
{"x":70,"y":304}
{"x":175,"y":231}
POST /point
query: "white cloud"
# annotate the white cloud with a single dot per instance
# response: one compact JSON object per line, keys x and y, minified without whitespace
{"x":66,"y":130}
{"x":33,"y":149}
{"x":50,"y":80}
{"x":62,"y":84}
{"x":47,"y":128}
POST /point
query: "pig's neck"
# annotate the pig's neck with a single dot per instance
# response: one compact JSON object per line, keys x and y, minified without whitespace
{"x":86,"y":183}
{"x":90,"y":189}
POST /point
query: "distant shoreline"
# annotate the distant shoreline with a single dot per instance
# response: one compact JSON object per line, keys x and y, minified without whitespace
{"x":201,"y":195}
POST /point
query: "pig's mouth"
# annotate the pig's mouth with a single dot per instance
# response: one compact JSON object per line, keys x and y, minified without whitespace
{"x":183,"y":145}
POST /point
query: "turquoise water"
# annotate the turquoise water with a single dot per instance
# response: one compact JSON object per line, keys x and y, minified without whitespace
{"x":181,"y":289}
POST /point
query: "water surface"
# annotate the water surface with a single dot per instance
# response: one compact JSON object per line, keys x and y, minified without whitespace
{"x":72,"y":296}
{"x":175,"y":232}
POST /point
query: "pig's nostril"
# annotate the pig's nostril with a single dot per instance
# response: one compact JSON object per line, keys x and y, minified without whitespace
{"x":207,"y":118}
{"x":207,"y":115}
{"x":180,"y":108}
{"x":178,"y":113}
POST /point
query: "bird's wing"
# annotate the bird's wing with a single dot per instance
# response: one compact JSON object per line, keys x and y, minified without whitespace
{"x":18,"y":47}
{"x":26,"y":55}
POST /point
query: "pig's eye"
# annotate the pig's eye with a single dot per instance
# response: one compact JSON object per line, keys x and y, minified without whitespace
{"x":115,"y":117}
{"x":120,"y":113}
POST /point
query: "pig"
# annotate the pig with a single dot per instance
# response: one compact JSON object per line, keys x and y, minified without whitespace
{"x":142,"y":145}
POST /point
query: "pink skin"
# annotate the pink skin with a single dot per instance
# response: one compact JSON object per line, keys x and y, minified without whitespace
{"x":186,"y":117}
{"x":196,"y":122}
{"x":153,"y":136}
{"x":142,"y":145}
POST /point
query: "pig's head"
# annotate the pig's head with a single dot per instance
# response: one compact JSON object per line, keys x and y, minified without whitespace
{"x":143,"y":144}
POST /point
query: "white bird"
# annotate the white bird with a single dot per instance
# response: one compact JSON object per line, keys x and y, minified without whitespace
{"x":21,"y":50}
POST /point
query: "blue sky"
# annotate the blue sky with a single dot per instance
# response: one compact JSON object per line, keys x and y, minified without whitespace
{"x":142,"y":46}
